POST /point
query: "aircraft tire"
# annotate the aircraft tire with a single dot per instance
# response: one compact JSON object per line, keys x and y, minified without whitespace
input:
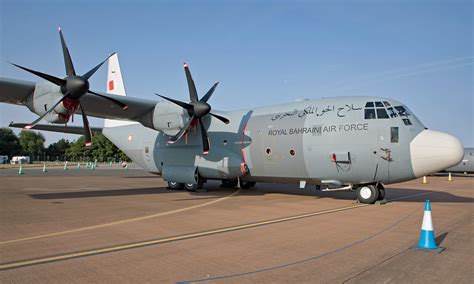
{"x":194,"y":186}
{"x":367,"y":194}
{"x":175,"y":185}
{"x":381,"y":189}
{"x":247,"y":184}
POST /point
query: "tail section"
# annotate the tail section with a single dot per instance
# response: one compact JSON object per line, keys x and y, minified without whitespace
{"x":115,"y":86}
{"x":114,"y":77}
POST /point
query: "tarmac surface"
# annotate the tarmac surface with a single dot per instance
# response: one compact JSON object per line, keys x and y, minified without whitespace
{"x":117,"y":225}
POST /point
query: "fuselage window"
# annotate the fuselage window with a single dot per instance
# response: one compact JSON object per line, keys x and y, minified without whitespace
{"x":378,"y":104}
{"x":369,"y":113}
{"x":406,"y":121}
{"x":369,"y":104}
{"x":146,"y":150}
{"x":392,"y":112}
{"x":382,"y":113}
{"x":394,"y":134}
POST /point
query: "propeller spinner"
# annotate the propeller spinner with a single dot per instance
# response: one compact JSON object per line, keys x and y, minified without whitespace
{"x":73,"y":87}
{"x":197,"y":109}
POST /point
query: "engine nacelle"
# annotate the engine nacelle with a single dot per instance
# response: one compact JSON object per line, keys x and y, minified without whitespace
{"x":166,"y":117}
{"x":44,"y":97}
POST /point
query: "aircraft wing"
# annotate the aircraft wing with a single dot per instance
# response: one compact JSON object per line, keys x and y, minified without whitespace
{"x":17,"y":91}
{"x":57,"y":128}
{"x":103,"y":108}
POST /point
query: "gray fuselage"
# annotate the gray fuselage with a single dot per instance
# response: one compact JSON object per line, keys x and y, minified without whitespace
{"x":333,"y":141}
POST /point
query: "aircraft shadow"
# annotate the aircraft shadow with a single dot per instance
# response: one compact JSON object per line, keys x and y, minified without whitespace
{"x":101,"y":193}
{"x":214,"y":190}
{"x":412,"y":195}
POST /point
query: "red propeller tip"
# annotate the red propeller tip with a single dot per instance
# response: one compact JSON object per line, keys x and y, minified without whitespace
{"x":205,"y":153}
{"x":125,"y":108}
{"x":28,"y":127}
{"x":88,"y":144}
{"x":59,"y":29}
{"x":185,"y":65}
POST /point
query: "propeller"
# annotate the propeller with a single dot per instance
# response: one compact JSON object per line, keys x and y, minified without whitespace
{"x":197,"y":109}
{"x":73,"y":87}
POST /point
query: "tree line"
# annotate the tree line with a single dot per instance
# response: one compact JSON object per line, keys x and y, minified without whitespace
{"x":31,"y":143}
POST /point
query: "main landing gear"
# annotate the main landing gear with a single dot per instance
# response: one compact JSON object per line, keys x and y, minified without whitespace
{"x":188,"y":186}
{"x":175,"y":185}
{"x":369,"y":193}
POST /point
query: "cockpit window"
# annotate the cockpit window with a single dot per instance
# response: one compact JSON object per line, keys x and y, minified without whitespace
{"x":382,"y":113}
{"x":378,"y":104}
{"x":387,"y":104}
{"x":369,"y":104}
{"x":402,"y":111}
{"x":391,"y":112}
{"x":369,"y":113}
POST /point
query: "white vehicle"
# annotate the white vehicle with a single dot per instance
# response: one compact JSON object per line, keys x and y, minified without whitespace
{"x":17,"y":159}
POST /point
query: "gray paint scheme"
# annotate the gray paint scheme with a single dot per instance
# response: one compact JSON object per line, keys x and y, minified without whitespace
{"x":340,"y":128}
{"x":326,"y":141}
{"x":467,"y":163}
{"x":34,"y":96}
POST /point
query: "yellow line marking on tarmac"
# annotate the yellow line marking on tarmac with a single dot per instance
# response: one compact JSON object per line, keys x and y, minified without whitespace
{"x":168,"y":239}
{"x":121,"y":221}
{"x":43,"y":260}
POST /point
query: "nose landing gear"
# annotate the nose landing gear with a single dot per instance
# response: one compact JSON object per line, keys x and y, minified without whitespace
{"x":370,"y":193}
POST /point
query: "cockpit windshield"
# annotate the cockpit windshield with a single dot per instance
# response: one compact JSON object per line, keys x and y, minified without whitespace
{"x":385,"y":110}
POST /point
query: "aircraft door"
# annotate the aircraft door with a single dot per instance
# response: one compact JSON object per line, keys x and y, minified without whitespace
{"x":388,"y":151}
{"x":147,"y":150}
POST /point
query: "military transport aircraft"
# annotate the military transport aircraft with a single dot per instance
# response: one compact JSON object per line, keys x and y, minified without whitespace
{"x":356,"y":143}
{"x":466,"y":165}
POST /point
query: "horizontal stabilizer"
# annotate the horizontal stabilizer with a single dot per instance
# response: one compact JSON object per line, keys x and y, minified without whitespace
{"x":57,"y":128}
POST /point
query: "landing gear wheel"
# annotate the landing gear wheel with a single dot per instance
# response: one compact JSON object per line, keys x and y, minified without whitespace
{"x":229,"y":183}
{"x":367,"y":194}
{"x":194,"y":186}
{"x":381,"y":189}
{"x":247,"y":184}
{"x":175,"y":185}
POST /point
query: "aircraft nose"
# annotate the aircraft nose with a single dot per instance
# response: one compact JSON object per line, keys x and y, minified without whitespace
{"x":433,"y":151}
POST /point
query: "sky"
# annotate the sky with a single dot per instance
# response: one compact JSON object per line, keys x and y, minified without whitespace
{"x":261,"y":52}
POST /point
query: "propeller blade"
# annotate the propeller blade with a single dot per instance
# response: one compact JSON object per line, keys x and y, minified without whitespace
{"x":119,"y":103}
{"x":93,"y":70}
{"x":192,"y":88}
{"x":208,"y":95}
{"x":221,"y":118}
{"x":87,"y":129}
{"x":44,"y":114}
{"x":180,"y":103}
{"x":183,"y":130}
{"x":52,"y":79}
{"x":205,"y":139}
{"x":67,"y":57}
